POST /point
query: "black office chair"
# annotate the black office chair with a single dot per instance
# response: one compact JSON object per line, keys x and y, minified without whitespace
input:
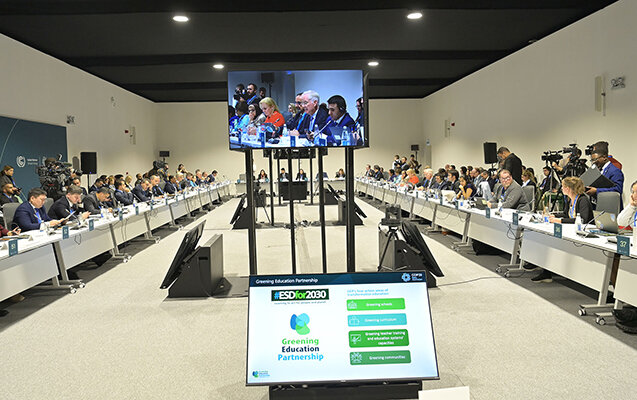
{"x":48,"y":203}
{"x":529,"y":192}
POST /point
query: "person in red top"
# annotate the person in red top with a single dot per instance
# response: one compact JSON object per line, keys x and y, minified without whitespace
{"x":413,"y":178}
{"x":272,"y":114}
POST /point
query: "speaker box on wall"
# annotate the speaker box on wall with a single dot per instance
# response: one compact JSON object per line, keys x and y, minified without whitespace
{"x":89,"y":162}
{"x":415,"y":147}
{"x":164,"y":153}
{"x":267,"y":77}
{"x":490,"y":152}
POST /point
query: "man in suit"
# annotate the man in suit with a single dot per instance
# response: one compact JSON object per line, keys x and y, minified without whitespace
{"x":189,"y":182}
{"x":512,"y":163}
{"x":96,"y":185}
{"x":284,"y":176}
{"x":141,"y":191}
{"x":338,"y":120}
{"x":199,"y":178}
{"x":549,"y":183}
{"x":171,"y":186}
{"x":63,"y":206}
{"x":252,"y":95}
{"x":360,"y":119}
{"x":428,"y":174}
{"x":293,"y":123}
{"x":77,"y":182}
{"x":316,"y":116}
{"x":31,"y":215}
{"x":213,"y":175}
{"x":599,"y":158}
{"x":94,"y":202}
{"x":123,"y":197}
{"x":452,"y":182}
{"x":8,"y":194}
{"x":156,"y":190}
{"x":510,"y":193}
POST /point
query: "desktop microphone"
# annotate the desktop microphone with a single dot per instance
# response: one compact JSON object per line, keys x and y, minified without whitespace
{"x":586,"y":234}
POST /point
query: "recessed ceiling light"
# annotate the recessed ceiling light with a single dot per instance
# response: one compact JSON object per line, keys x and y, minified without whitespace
{"x":414,"y":15}
{"x":180,"y":18}
{"x":218,"y":66}
{"x":373,"y":63}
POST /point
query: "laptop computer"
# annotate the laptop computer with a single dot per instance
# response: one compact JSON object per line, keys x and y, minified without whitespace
{"x":449,"y":195}
{"x":480,"y":203}
{"x":607,"y":223}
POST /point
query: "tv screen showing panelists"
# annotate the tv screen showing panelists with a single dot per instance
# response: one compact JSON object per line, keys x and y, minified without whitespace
{"x":284,"y":109}
{"x":339,"y":328}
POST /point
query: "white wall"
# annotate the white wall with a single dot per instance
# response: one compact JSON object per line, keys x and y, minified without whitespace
{"x":542,"y":97}
{"x":37,"y":87}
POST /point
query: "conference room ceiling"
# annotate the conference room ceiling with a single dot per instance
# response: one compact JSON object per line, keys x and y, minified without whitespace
{"x":136,"y":44}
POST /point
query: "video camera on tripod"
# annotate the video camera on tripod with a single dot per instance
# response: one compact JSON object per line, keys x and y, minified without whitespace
{"x":55,"y":175}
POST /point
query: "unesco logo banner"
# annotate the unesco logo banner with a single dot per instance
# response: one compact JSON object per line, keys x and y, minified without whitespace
{"x":300,"y":295}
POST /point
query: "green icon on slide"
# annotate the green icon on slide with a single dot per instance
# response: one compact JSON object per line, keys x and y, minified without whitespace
{"x":299,"y":323}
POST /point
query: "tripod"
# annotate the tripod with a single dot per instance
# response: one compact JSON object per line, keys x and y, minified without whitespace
{"x":391,"y":234}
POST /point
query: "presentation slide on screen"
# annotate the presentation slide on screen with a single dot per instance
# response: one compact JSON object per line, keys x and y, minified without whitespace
{"x":339,"y":327}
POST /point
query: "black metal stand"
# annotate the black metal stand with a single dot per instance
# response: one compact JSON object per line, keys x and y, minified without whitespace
{"x":278,"y":171}
{"x":349,"y":193}
{"x":292,"y":238}
{"x":312,"y":176}
{"x":252,"y":231}
{"x":363,"y":391}
{"x":321,"y":208}
{"x":271,"y":189}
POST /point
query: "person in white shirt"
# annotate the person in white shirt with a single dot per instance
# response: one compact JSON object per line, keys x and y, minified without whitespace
{"x":628,"y":216}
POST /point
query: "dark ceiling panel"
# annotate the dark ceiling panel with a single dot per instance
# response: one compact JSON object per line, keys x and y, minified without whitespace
{"x":135,"y":43}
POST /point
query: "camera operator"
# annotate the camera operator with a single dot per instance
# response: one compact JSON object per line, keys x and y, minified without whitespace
{"x":573,"y":165}
{"x":511,"y":163}
{"x":599,"y":158}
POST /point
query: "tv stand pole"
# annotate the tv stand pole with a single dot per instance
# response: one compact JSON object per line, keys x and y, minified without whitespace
{"x":271,"y":190}
{"x":349,"y":193}
{"x":292,"y":238}
{"x":252,"y":229}
{"x":321,"y":207}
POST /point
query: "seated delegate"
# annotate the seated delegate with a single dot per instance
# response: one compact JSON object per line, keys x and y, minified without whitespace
{"x":96,"y":201}
{"x":67,"y":204}
{"x":510,"y":193}
{"x":31,"y":215}
{"x":628,"y":216}
{"x":123,"y":197}
{"x":466,"y":189}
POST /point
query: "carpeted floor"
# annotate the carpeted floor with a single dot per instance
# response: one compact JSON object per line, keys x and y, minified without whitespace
{"x":120,"y":338}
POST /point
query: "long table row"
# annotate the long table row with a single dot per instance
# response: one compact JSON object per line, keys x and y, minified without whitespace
{"x":25,"y":263}
{"x":554,"y":247}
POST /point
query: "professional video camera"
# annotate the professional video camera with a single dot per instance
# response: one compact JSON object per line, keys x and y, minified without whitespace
{"x":54,"y":176}
{"x":159,"y":169}
{"x":551,"y":156}
{"x":589,"y":150}
{"x":576,"y":165}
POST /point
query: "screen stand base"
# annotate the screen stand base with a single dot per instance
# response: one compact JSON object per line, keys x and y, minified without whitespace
{"x":367,"y":391}
{"x":232,"y":286}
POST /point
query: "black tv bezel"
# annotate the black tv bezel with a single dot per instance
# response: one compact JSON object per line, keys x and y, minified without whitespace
{"x":365,"y":97}
{"x":239,"y":209}
{"x":188,"y":246}
{"x":419,"y":244}
{"x":342,"y":381}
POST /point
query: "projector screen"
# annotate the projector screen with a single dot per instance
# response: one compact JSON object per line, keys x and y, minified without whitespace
{"x":339,"y":328}
{"x":284,"y":109}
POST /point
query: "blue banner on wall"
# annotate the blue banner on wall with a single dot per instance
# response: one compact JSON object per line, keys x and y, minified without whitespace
{"x":26,"y":144}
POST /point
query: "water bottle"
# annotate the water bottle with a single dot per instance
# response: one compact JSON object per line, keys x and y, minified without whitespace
{"x":500,"y":206}
{"x":578,"y":222}
{"x":285,"y":131}
{"x":102,"y":212}
{"x":345,"y":137}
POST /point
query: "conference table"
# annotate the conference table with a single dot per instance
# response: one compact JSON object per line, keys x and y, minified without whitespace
{"x":26,"y":263}
{"x":554,"y":247}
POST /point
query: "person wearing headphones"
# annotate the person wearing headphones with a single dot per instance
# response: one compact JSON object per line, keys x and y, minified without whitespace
{"x":338,"y":120}
{"x":314,"y":115}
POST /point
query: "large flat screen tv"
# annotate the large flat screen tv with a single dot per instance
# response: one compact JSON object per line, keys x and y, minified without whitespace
{"x":328,"y":328}
{"x":285,"y":109}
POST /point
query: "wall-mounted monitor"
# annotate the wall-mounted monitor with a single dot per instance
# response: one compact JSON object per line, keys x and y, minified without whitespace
{"x":324,"y":328}
{"x":296,"y":109}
